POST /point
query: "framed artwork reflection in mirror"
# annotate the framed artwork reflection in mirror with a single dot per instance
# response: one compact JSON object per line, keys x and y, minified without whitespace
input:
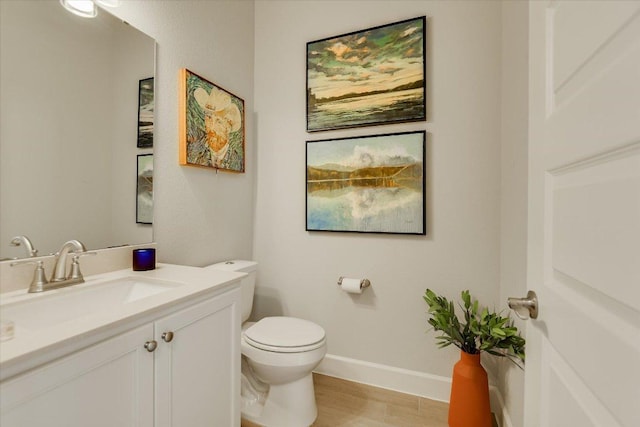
{"x":144,"y":189}
{"x":145,"y":113}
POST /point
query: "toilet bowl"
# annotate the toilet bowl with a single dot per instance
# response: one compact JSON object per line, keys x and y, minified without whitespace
{"x":279,"y":354}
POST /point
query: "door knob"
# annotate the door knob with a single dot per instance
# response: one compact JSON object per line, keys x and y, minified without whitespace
{"x":167,"y":336}
{"x":525,"y":308}
{"x":151,"y":345}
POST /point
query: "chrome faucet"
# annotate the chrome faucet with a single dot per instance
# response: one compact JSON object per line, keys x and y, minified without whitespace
{"x":60,"y":269}
{"x":26,"y":243}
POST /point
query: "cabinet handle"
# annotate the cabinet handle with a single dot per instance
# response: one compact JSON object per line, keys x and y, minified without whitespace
{"x":167,"y":336}
{"x":151,"y":345}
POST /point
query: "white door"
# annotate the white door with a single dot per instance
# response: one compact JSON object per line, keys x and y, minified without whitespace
{"x":583,"y":351}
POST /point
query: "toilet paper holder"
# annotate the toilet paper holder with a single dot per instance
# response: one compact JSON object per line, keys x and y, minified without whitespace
{"x":364,"y":283}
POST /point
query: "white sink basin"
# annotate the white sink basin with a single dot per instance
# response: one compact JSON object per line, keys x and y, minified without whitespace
{"x":52,"y":308}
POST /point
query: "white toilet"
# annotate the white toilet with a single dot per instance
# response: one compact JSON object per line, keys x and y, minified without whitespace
{"x":278,"y":355}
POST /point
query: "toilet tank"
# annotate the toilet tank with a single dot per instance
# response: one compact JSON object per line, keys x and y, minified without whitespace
{"x":247,"y":285}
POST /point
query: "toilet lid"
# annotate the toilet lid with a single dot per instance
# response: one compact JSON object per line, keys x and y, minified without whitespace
{"x":285,"y":335}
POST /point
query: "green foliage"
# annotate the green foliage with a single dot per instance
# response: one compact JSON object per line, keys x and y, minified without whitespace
{"x":481,"y":330}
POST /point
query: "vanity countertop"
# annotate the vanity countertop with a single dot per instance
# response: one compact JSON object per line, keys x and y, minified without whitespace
{"x":66,"y":332}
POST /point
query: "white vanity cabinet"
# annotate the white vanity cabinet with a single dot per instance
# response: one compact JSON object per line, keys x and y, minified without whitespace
{"x":108,"y":384}
{"x":179,"y":368}
{"x":197,"y":372}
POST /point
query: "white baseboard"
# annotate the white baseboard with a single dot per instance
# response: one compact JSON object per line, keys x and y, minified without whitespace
{"x":498,"y":408}
{"x":403,"y":380}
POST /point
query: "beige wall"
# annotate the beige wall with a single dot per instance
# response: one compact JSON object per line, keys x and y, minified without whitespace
{"x":298,"y":269}
{"x":513,"y":200}
{"x":200,"y":216}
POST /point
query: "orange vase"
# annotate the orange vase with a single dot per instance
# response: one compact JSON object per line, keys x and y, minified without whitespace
{"x":469,"y":404}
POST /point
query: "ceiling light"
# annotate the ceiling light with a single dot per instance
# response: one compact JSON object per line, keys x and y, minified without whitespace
{"x":84,"y":8}
{"x":87,"y":8}
{"x":108,"y":3}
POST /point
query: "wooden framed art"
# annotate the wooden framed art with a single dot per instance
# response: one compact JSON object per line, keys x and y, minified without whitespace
{"x":144,"y":189}
{"x":367,"y":184}
{"x":145,"y":113}
{"x":368,"y":77}
{"x":212,"y":125}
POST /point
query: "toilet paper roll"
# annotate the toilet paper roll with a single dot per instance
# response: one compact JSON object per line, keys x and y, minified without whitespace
{"x":351,"y":286}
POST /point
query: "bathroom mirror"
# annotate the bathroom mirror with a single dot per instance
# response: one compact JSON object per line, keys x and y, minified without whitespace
{"x":69,"y":127}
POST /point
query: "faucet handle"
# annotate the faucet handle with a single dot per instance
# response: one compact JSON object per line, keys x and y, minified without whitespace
{"x":81,"y":254}
{"x":39,"y":277}
{"x":76,"y":274}
{"x":25,"y":261}
{"x":28,"y":246}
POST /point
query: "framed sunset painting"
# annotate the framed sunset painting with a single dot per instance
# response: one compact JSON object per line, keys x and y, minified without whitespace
{"x":367,"y":184}
{"x":368,"y":77}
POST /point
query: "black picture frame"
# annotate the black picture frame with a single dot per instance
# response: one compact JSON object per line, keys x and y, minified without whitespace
{"x":367,"y":184}
{"x":146,"y":115}
{"x":368,"y":77}
{"x":144,"y":189}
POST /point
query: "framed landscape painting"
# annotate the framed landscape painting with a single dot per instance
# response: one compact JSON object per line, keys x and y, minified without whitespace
{"x":367,"y":184}
{"x":369,"y":77}
{"x":211,"y":127}
{"x":145,"y":113}
{"x":144,"y":189}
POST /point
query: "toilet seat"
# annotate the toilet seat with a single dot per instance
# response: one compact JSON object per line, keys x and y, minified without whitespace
{"x":285,"y":335}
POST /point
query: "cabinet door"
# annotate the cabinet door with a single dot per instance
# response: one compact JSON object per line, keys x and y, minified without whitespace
{"x":198,"y":371}
{"x":106,"y":385}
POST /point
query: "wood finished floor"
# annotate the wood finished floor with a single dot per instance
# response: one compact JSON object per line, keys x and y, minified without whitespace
{"x":345,"y":403}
